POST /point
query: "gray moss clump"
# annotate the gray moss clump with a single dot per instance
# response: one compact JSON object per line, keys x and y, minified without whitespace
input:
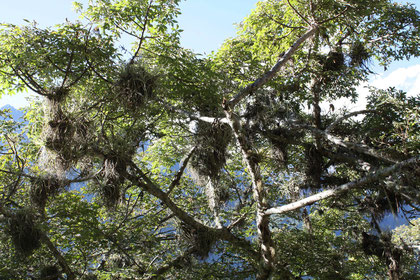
{"x":43,"y":188}
{"x":135,"y":86}
{"x":50,"y":272}
{"x":66,"y":136}
{"x":23,"y":231}
{"x":112,"y":179}
{"x":200,"y":240}
{"x":210,"y":155}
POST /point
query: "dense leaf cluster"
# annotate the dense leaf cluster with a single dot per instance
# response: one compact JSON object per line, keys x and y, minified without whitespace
{"x":157,"y":163}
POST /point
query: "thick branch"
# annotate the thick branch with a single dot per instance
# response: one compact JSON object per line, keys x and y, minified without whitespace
{"x":349,"y":145}
{"x":138,"y":178}
{"x":346,"y":116}
{"x":263,"y":229}
{"x":343,"y":188}
{"x":356,"y":147}
{"x":61,"y":260}
{"x":272,"y":72}
{"x":193,"y":116}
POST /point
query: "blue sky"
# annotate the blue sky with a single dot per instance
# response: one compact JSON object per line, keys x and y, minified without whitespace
{"x":206,"y":24}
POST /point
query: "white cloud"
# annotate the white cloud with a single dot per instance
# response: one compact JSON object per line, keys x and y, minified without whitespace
{"x":407,"y":79}
{"x":404,"y":78}
{"x":18,"y":100}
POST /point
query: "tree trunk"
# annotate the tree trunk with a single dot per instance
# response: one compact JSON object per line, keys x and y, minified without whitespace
{"x":264,"y":234}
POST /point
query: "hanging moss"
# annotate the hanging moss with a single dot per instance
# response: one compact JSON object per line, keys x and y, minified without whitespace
{"x":279,"y":152}
{"x":200,"y":240}
{"x":216,"y":194}
{"x":44,"y":188}
{"x":111,"y":195}
{"x":68,"y":137}
{"x":280,"y":139}
{"x":210,"y":155}
{"x":135,"y":86}
{"x":383,"y":202}
{"x":314,"y":166}
{"x":24,"y":233}
{"x":50,"y":272}
{"x":112,"y":180}
{"x":117,"y":261}
{"x":358,"y":54}
{"x":57,"y":130}
{"x":334,"y":61}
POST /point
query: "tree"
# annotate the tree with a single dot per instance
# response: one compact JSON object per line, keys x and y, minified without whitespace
{"x":161,"y":164}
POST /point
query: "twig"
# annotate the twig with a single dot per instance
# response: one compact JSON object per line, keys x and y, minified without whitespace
{"x":281,"y":23}
{"x":335,"y":16}
{"x":181,"y":170}
{"x":298,"y":13}
{"x":67,"y":69}
{"x":146,"y":19}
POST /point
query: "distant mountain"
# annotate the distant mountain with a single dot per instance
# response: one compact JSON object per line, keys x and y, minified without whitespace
{"x":16,"y":114}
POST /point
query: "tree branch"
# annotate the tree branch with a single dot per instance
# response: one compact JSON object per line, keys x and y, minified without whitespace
{"x":248,"y":90}
{"x":346,"y":116}
{"x":298,"y":13}
{"x":349,"y":145}
{"x":57,"y":254}
{"x":181,"y":170}
{"x":146,"y":19}
{"x":357,"y":147}
{"x":193,"y":116}
{"x":343,"y":188}
{"x":263,"y":221}
{"x":140,"y":179}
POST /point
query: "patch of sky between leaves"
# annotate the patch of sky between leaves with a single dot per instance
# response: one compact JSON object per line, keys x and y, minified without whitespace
{"x":403,"y":78}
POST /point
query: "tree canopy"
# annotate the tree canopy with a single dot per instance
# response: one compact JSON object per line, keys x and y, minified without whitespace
{"x":157,"y":163}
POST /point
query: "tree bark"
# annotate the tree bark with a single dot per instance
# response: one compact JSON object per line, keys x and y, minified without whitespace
{"x":263,"y":221}
{"x":138,"y":178}
{"x":343,"y":188}
{"x":273,"y":71}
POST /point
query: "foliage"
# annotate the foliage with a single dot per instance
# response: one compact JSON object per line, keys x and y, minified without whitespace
{"x":157,"y":163}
